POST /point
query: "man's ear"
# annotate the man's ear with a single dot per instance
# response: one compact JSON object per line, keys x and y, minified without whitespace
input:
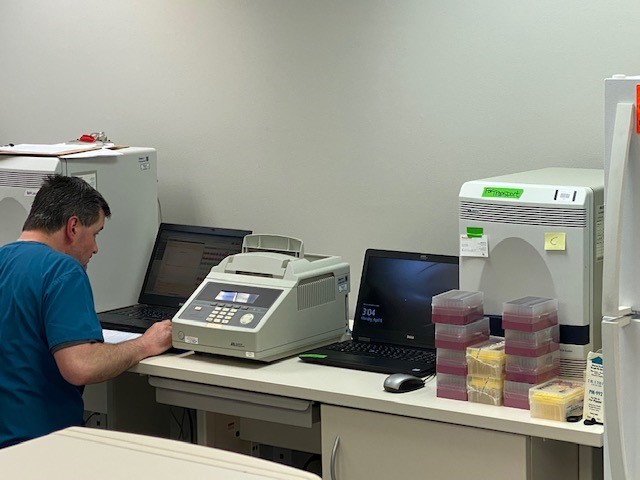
{"x":71,"y":228}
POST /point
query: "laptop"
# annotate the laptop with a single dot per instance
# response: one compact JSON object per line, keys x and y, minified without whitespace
{"x":182,"y":257}
{"x":393,"y":314}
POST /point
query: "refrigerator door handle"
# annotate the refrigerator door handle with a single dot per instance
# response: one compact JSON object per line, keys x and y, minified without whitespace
{"x":614,"y":431}
{"x":622,"y":131}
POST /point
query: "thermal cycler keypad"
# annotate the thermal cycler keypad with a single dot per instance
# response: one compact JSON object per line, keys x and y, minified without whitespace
{"x":221,"y":304}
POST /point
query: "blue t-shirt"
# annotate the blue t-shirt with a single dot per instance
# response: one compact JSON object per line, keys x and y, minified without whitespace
{"x":45,"y":302}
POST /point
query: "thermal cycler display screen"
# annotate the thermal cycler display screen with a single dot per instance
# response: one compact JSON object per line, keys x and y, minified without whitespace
{"x":239,"y":297}
{"x":251,"y":296}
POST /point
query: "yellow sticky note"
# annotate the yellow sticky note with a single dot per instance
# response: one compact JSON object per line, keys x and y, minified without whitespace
{"x":555,"y":241}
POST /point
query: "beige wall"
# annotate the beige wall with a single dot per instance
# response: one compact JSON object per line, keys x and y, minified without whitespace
{"x":348,"y":124}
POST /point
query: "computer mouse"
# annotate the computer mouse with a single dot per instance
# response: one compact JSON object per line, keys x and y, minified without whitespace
{"x":402,"y":382}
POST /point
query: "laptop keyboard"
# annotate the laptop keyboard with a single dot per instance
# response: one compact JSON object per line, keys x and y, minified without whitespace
{"x":385,"y":351}
{"x":142,"y":311}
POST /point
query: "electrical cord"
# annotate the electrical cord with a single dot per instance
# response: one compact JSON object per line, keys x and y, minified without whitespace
{"x":179,"y":422}
{"x":192,"y":430}
{"x":84,"y":424}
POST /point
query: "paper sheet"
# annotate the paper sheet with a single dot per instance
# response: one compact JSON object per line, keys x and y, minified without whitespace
{"x":103,"y":152}
{"x":45,"y":149}
{"x":116,"y":336}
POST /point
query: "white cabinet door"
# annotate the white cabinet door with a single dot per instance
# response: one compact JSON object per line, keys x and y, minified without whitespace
{"x":377,"y":445}
{"x":381,"y":446}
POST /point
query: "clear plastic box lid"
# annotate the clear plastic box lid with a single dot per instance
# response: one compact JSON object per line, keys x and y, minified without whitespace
{"x":533,"y":306}
{"x":456,"y":381}
{"x":517,"y":388}
{"x":462,"y":332}
{"x":518,"y":363}
{"x":485,"y":383}
{"x":491,"y":350}
{"x":448,"y":354}
{"x":557,"y":390}
{"x":461,"y":299}
{"x":532,"y":339}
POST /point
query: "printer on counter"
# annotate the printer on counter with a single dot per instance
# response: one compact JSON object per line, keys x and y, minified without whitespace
{"x":268,"y":302}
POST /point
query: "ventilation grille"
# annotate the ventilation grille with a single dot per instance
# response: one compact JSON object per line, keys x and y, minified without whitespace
{"x":22,"y":179}
{"x":573,"y":368}
{"x":523,"y":214}
{"x":317,"y":291}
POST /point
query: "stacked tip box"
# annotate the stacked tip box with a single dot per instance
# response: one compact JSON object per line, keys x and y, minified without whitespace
{"x":485,"y":379}
{"x":558,"y":399}
{"x":532,"y":346}
{"x":459,"y":322}
{"x":457,"y":307}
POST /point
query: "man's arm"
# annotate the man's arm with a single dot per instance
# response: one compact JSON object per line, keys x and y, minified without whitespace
{"x":96,"y":362}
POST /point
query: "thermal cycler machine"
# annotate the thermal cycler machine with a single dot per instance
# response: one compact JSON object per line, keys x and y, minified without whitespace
{"x":268,"y":302}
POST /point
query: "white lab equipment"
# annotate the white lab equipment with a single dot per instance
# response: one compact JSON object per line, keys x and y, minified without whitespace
{"x":621,"y":294}
{"x":268,"y":302}
{"x":539,"y":233}
{"x":127,"y":178}
{"x":105,"y":455}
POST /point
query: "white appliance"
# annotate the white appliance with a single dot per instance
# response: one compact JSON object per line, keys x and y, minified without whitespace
{"x":127,"y":178}
{"x":266,"y":303}
{"x":621,"y":294}
{"x":538,"y":233}
{"x":130,"y":455}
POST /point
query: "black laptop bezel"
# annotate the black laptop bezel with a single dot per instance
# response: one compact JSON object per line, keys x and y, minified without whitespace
{"x":394,"y":337}
{"x":177,"y":302}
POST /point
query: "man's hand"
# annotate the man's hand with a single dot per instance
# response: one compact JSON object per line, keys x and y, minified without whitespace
{"x":157,"y":338}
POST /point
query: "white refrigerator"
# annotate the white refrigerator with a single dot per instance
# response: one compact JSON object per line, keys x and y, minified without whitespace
{"x":621,"y":279}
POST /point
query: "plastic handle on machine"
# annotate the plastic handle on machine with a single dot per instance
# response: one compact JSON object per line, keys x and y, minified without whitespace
{"x":273,"y":243}
{"x":622,"y":131}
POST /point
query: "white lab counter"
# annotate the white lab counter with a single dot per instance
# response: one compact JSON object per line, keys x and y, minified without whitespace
{"x":501,"y":435}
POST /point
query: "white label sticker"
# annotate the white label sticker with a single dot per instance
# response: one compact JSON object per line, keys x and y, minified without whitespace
{"x":250,"y":354}
{"x":594,"y":388}
{"x":564,"y":195}
{"x":474,"y":246}
{"x":191,"y":340}
{"x":343,"y":283}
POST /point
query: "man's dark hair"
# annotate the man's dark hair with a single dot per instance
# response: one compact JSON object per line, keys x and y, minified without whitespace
{"x":61,"y":198}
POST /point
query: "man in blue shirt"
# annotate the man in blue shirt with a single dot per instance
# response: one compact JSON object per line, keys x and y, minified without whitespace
{"x":51,"y":342}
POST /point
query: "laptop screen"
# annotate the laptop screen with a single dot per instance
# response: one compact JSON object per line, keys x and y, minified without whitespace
{"x":394,"y":301}
{"x":182,"y":257}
